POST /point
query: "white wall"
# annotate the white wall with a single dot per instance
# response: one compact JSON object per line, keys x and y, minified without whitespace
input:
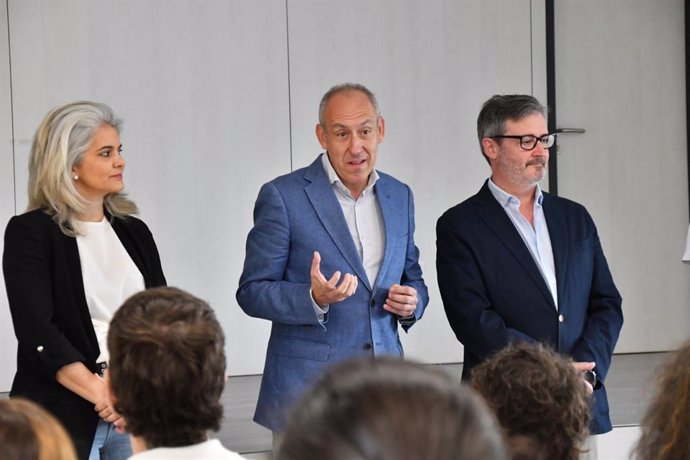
{"x":220,"y":96}
{"x":620,"y":70}
{"x":8,"y":345}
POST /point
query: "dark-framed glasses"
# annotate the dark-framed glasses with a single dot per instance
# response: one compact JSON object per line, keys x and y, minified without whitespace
{"x":529,"y":142}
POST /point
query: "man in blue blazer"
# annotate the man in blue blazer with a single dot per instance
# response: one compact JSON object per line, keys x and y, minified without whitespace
{"x":517,"y":264}
{"x":331,"y":259}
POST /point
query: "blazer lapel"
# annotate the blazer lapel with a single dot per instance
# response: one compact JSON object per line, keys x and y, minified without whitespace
{"x":327,"y":207}
{"x":558,"y":233}
{"x":394,"y":213}
{"x":132,"y":246}
{"x":495,"y":217}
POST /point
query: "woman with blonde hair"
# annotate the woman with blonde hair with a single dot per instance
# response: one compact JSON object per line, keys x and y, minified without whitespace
{"x":28,"y":432}
{"x":70,"y":261}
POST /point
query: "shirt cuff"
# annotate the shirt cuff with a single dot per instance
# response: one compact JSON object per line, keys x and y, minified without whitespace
{"x":319,"y":310}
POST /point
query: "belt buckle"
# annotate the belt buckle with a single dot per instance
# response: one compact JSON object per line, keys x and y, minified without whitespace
{"x":101,"y":367}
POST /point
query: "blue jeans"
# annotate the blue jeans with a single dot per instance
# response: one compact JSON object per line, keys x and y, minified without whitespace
{"x":108,"y":444}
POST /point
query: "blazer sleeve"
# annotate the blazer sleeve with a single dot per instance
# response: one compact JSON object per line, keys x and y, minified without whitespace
{"x":412,"y":273}
{"x":477,"y":325}
{"x":27,"y":268}
{"x":604,"y":315}
{"x":263,"y":290}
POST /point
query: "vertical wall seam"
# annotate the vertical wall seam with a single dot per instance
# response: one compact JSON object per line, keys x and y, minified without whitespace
{"x":687,"y":90}
{"x":551,"y":91}
{"x":287,"y":40}
{"x":12,"y":140}
{"x":531,"y":46}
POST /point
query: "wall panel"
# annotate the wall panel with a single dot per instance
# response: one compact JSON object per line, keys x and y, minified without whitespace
{"x":8,"y":348}
{"x":202,"y":87}
{"x":620,"y":69}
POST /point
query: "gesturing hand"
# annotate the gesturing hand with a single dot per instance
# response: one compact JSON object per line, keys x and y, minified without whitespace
{"x":325,"y":291}
{"x":402,"y":300}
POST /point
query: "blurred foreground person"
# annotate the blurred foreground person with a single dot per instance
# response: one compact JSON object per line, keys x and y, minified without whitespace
{"x":666,"y":425}
{"x":540,"y":400}
{"x":28,"y":432}
{"x":167,"y":373}
{"x":388,"y":409}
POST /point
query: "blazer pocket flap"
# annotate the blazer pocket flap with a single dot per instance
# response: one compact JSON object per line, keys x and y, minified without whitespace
{"x":299,"y":347}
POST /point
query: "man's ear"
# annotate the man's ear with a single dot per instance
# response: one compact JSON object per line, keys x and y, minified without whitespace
{"x":490,"y":147}
{"x":321,"y":136}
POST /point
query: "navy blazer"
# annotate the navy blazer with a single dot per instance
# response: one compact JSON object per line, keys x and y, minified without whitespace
{"x":493,"y":291}
{"x":294,"y":216}
{"x":51,"y":319}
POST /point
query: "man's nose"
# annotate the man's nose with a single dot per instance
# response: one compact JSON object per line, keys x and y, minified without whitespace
{"x":356,"y":144}
{"x":540,"y":150}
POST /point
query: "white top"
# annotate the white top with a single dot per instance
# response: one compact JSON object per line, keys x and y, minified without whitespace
{"x":110,"y":276}
{"x":537,"y":238}
{"x":207,"y":450}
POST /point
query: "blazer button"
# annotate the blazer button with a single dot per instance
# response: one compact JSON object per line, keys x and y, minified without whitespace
{"x":39,"y":348}
{"x":560,"y":318}
{"x":372,"y":304}
{"x":367,"y":346}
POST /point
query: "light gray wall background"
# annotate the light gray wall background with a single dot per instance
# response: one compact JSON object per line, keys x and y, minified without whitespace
{"x":220,"y":96}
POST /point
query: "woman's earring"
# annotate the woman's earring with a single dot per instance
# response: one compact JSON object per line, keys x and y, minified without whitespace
{"x":76,"y":177}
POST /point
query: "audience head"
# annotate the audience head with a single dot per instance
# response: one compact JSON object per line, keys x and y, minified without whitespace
{"x":60,"y":142}
{"x":666,"y":425}
{"x":500,"y":109}
{"x":537,"y":395}
{"x":167,"y":367}
{"x":387,"y":408}
{"x":28,"y":432}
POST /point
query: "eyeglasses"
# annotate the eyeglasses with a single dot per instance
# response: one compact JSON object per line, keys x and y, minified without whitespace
{"x":529,"y":142}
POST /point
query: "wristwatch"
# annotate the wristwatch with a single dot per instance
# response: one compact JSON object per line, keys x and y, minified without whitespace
{"x":591,"y":377}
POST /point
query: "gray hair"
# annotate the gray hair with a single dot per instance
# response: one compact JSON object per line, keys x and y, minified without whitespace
{"x":346,"y":88}
{"x":59,"y":144}
{"x":501,"y":108}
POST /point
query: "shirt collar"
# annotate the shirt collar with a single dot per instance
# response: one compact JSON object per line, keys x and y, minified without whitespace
{"x":504,"y":198}
{"x":333,"y":178}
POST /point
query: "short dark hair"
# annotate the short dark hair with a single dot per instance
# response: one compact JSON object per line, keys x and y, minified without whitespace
{"x":387,"y":408}
{"x":345,"y":88}
{"x":167,"y":367}
{"x":501,"y":108}
{"x":666,"y":425}
{"x":536,"y":393}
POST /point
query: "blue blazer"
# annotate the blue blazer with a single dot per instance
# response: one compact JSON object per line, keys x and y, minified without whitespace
{"x":294,"y":216}
{"x":494,"y":293}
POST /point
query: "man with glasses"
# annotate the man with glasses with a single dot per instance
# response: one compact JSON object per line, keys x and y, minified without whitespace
{"x":516,"y":264}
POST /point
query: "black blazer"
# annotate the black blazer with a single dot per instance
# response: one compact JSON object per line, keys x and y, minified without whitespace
{"x":493,"y":292}
{"x":51,"y":319}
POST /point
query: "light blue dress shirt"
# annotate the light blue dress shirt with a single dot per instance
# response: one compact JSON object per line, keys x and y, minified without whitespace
{"x":536,"y":238}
